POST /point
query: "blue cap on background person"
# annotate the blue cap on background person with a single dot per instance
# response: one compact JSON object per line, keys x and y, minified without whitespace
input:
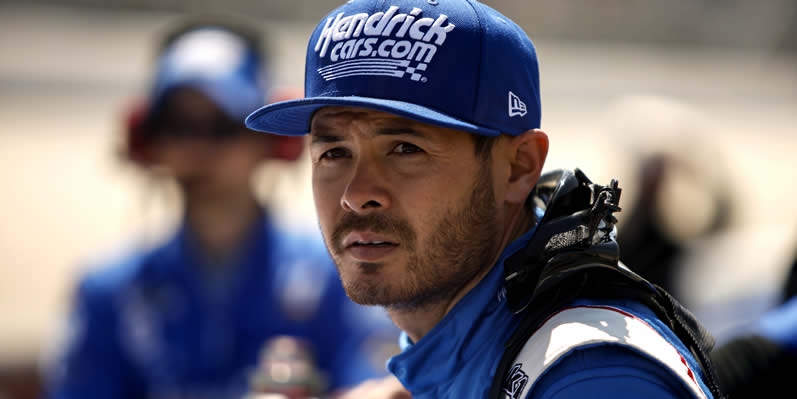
{"x":225,"y":65}
{"x":452,"y":63}
{"x":221,"y":60}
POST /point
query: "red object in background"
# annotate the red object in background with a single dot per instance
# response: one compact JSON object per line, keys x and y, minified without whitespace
{"x":287,"y":148}
{"x":136,"y":139}
{"x":284,"y":94}
{"x":20,"y":381}
{"x":287,"y":368}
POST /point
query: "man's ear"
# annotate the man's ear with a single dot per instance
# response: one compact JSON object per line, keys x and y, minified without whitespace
{"x":527,"y":156}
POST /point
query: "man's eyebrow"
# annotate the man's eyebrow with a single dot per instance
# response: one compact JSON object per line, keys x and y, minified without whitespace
{"x":324,"y":138}
{"x":396,"y":131}
{"x":385,"y":131}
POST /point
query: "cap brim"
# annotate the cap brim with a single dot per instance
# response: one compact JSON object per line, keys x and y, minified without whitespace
{"x":292,"y":118}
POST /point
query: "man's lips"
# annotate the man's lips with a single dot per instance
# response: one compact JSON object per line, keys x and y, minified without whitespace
{"x":356,"y":238}
{"x":368,"y":247}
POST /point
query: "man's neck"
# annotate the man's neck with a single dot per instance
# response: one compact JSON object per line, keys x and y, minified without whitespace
{"x":417,"y":322}
{"x":220,"y":226}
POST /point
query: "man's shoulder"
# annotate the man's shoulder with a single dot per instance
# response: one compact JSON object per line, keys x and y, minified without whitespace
{"x":605,"y":336}
{"x":109,"y":275}
{"x":614,"y":371}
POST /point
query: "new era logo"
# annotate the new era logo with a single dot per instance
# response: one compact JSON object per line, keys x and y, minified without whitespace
{"x":516,"y":107}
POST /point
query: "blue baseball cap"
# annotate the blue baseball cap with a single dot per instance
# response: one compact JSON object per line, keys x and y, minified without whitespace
{"x":452,"y":63}
{"x":217,"y":62}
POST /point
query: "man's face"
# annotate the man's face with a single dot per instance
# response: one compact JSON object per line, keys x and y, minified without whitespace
{"x":204,"y":150}
{"x":407,"y":210}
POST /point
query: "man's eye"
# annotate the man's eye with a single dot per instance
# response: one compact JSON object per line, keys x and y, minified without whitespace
{"x":407,"y":148}
{"x":335,"y":153}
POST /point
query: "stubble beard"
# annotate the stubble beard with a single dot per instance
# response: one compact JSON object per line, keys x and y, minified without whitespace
{"x":460,"y":248}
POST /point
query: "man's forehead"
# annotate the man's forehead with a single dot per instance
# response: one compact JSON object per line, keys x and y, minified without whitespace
{"x":327,"y":119}
{"x":187,"y":102}
{"x":336,"y":114}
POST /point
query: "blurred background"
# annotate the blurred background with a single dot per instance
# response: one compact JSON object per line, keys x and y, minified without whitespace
{"x":692,"y":105}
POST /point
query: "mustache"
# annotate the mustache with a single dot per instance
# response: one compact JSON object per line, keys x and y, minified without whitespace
{"x":375,"y":222}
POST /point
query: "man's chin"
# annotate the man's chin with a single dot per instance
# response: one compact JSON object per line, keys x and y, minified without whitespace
{"x":375,"y":284}
{"x":371,"y":293}
{"x":379,"y":292}
{"x":368,"y":268}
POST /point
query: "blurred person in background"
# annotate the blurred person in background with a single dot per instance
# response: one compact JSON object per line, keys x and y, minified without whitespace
{"x":189,"y":318}
{"x":678,"y":197}
{"x":654,"y":239}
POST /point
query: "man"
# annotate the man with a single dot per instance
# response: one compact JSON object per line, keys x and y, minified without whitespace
{"x":424,"y":120}
{"x":190,"y":317}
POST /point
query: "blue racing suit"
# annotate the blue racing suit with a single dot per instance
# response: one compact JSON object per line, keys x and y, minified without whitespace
{"x":459,"y":356}
{"x":162,"y":324}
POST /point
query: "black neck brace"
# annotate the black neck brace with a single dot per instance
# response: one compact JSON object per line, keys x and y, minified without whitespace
{"x":573,"y":254}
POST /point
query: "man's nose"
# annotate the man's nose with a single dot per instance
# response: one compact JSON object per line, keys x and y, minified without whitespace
{"x":367,"y":189}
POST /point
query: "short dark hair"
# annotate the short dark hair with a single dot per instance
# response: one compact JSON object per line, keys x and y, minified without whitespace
{"x":483,"y":145}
